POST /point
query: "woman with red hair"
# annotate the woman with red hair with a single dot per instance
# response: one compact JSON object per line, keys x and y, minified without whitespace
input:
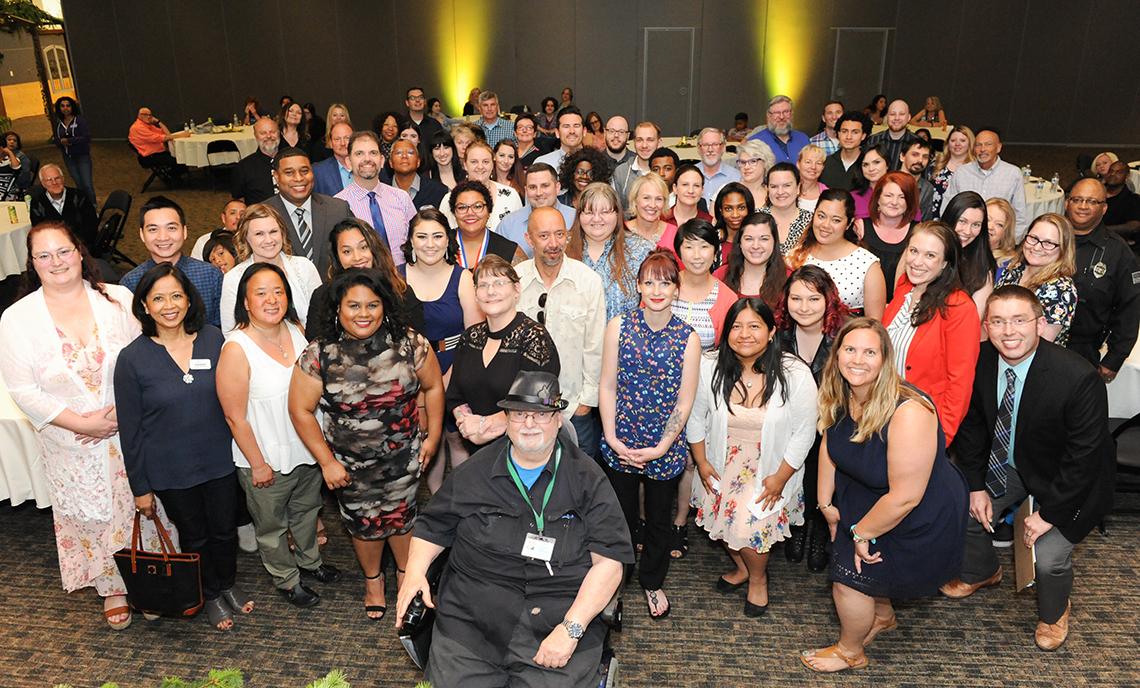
{"x":893,"y":212}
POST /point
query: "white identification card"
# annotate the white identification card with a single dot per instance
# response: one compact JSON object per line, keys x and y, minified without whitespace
{"x":715,"y":485}
{"x":199,"y":364}
{"x":538,"y":547}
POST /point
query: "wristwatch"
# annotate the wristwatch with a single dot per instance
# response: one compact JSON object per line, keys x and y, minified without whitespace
{"x":573,"y":629}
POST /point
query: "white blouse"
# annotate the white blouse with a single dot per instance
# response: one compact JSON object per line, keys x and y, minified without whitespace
{"x":849,"y":274}
{"x":303,"y":281}
{"x":505,"y":201}
{"x":902,"y":333}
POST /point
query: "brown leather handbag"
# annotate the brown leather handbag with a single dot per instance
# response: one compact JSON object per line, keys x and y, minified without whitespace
{"x":163,"y":582}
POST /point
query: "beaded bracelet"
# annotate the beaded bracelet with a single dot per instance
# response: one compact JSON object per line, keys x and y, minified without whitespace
{"x":856,"y":538}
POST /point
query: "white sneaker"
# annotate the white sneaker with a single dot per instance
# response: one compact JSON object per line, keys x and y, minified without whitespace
{"x":247,"y":538}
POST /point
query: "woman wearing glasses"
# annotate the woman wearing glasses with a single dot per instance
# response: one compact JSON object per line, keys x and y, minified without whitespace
{"x":1045,"y":263}
{"x":491,"y":353}
{"x":580,"y":169}
{"x":470,"y":202}
{"x":754,"y":158}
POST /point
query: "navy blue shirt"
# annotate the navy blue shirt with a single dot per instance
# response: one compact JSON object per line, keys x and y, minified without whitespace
{"x":173,"y":432}
{"x":206,"y":278}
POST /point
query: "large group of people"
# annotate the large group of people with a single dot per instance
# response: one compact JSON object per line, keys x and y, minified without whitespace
{"x":825,"y":346}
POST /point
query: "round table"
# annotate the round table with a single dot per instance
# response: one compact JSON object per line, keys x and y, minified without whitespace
{"x":1049,"y":201}
{"x":13,"y":238}
{"x":191,"y":151}
{"x":1124,"y":391}
{"x":936,"y":131}
{"x":21,"y":467}
{"x":1134,"y":174}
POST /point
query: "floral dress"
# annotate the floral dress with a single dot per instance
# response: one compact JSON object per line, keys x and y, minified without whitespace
{"x":725,"y":514}
{"x":648,"y":384}
{"x":940,"y":180}
{"x":372,"y":426}
{"x":1058,"y":298}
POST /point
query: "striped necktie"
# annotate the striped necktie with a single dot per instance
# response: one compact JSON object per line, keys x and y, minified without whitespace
{"x":1003,"y":432}
{"x":305,"y":233}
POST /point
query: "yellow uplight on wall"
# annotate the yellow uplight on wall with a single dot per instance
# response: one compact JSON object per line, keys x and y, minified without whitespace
{"x":784,"y":28}
{"x":464,"y":39}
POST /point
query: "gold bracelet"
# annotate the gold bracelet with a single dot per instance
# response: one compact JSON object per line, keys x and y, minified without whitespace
{"x":821,"y":507}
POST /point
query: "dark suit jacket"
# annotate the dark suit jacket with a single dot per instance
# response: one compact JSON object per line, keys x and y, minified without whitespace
{"x":1063,"y":449}
{"x":327,"y":211}
{"x":78,"y":213}
{"x":326,"y":177}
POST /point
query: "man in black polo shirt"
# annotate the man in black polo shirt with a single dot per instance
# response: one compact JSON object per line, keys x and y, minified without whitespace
{"x":1123,"y":211}
{"x":839,"y":167}
{"x":538,"y":543}
{"x":253,"y":177}
{"x":416,"y":112}
{"x":1108,"y":283}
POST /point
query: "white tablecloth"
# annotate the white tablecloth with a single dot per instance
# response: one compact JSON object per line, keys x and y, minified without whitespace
{"x":1124,"y":391}
{"x":694,"y":153}
{"x":13,"y":238}
{"x":191,"y":151}
{"x":1048,"y":201}
{"x":21,"y":467}
{"x":1134,"y":174}
{"x":936,"y":131}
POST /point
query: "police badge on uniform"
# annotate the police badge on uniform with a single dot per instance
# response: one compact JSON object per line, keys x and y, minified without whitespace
{"x":1099,"y":269}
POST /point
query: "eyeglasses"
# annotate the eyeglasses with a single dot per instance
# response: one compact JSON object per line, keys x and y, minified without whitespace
{"x":526,"y":130}
{"x":1031,"y":240}
{"x":62,"y":254}
{"x":588,"y":174}
{"x":539,"y":417}
{"x":419,"y":97}
{"x":477,"y":207}
{"x":710,"y":146}
{"x":496,"y":285}
{"x":998,"y":323}
{"x":751,"y":162}
{"x":403,"y":153}
{"x":617,"y":131}
{"x":53,"y":179}
{"x":591,"y":214}
{"x":1094,"y":202}
{"x":542,"y":308}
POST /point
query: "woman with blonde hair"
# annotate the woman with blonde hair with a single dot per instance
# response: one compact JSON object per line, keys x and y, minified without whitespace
{"x":262,"y":237}
{"x":338,"y":113}
{"x":931,"y":114}
{"x":648,"y":196}
{"x":895,"y":504}
{"x":810,"y":165}
{"x":754,"y":158}
{"x":959,"y":151}
{"x":1001,"y":225}
{"x":1045,"y":263}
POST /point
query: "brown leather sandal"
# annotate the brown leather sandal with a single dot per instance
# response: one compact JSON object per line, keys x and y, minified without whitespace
{"x":879,"y":626}
{"x":118,"y":611}
{"x":857,"y":662}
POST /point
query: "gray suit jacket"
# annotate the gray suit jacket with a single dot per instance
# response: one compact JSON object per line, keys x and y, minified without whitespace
{"x":327,"y":211}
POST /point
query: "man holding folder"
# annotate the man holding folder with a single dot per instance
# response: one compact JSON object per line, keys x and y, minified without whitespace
{"x":1037,"y":425}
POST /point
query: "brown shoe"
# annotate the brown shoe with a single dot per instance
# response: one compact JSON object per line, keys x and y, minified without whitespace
{"x":957,"y":589}
{"x":1050,"y":636}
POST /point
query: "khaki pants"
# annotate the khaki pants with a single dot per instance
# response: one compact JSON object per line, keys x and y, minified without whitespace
{"x":290,"y":504}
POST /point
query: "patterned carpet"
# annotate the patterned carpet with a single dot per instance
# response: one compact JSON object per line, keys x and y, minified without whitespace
{"x":47,"y":636}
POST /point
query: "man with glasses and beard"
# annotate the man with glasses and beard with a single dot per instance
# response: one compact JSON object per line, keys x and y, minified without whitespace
{"x":784,"y":141}
{"x":538,"y":543}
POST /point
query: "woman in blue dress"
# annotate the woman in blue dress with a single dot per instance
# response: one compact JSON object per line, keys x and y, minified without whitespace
{"x":650,"y":361}
{"x":896,"y":506}
{"x":445,"y":288}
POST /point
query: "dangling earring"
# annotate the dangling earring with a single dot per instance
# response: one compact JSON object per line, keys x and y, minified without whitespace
{"x":413,"y":256}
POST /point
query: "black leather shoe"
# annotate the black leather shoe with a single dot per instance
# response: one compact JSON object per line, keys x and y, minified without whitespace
{"x":300,"y":596}
{"x":794,"y":546}
{"x":817,"y":550}
{"x":325,"y":573}
{"x":754,"y":611}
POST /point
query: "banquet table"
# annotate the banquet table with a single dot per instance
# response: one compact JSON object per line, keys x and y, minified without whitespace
{"x":1049,"y":201}
{"x":13,"y":238}
{"x":191,"y":151}
{"x":21,"y":467}
{"x":1124,"y":391}
{"x":1134,"y":174}
{"x":936,"y":132}
{"x":693,"y":153}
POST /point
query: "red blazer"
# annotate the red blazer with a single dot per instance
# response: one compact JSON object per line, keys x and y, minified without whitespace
{"x":943,"y":355}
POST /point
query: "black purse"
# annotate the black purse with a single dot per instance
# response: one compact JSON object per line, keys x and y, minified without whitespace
{"x":160,"y":582}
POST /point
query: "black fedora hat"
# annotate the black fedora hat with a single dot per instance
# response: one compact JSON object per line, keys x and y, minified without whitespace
{"x":534,"y":390}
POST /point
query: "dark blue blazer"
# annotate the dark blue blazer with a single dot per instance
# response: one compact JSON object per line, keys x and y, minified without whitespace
{"x":326,"y":177}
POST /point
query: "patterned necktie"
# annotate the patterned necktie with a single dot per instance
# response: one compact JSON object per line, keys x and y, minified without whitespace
{"x":377,"y":218}
{"x":1003,"y":430}
{"x":305,"y":234}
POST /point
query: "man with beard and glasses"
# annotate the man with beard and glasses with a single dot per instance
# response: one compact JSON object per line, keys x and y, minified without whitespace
{"x":784,"y":141}
{"x":386,"y":209}
{"x":253,"y":177}
{"x":617,"y":136}
{"x":566,"y":297}
{"x":914,"y":160}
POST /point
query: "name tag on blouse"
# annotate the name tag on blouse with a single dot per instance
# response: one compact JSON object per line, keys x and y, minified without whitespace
{"x":199,"y":364}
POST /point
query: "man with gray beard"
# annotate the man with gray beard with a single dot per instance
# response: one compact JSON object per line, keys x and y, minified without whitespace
{"x":784,"y":141}
{"x":253,"y":177}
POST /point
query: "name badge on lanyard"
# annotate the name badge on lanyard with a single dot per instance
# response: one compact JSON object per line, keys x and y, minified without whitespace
{"x":537,"y":546}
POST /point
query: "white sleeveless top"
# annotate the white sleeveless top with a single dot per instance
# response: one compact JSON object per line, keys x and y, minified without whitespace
{"x":848,"y":273}
{"x":268,"y":409}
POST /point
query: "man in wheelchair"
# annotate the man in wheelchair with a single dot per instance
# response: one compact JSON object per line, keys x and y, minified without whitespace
{"x":538,"y":545}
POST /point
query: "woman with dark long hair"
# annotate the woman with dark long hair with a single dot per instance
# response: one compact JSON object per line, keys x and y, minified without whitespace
{"x":293,"y":127}
{"x":755,"y":266}
{"x":877,"y":108}
{"x":73,"y":137}
{"x":508,"y":166}
{"x":933,"y":324}
{"x":444,"y":166}
{"x":871,"y":166}
{"x":752,"y":425}
{"x":733,"y":203}
{"x":966,"y":215}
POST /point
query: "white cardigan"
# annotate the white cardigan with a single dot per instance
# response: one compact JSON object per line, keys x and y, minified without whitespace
{"x":788,"y":433}
{"x":303,"y":281}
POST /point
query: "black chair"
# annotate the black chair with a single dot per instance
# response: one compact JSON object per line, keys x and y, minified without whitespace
{"x":1127,"y":436}
{"x":167,"y":173}
{"x":112,"y":219}
{"x":216,"y":147}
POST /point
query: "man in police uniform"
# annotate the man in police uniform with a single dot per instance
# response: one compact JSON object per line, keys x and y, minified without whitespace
{"x":538,"y":543}
{"x":1108,"y":283}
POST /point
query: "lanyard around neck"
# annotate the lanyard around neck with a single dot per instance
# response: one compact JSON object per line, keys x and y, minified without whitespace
{"x":482,"y":251}
{"x":539,"y":517}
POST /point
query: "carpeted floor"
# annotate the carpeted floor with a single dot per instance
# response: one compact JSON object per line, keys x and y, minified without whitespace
{"x":48,"y":636}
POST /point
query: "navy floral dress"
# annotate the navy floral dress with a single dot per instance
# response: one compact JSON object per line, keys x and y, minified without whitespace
{"x":1058,"y":298}
{"x":648,"y":384}
{"x":372,"y":426}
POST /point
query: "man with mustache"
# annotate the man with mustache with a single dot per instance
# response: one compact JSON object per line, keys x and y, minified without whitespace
{"x":784,"y":141}
{"x":253,"y":177}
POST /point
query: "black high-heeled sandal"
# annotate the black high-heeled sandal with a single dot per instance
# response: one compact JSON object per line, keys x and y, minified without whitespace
{"x":680,"y":546}
{"x":375,"y":608}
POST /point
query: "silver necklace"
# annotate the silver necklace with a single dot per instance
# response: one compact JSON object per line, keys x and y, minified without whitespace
{"x":263,"y":336}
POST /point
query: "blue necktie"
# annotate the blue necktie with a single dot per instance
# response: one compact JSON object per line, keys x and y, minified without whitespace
{"x":1003,"y":429}
{"x":377,"y":219}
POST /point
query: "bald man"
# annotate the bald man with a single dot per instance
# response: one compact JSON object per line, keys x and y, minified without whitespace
{"x":617,"y":138}
{"x":567,"y":297}
{"x":1108,"y":283}
{"x":149,"y":137}
{"x":897,"y":138}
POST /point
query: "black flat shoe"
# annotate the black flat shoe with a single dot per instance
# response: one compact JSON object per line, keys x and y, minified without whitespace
{"x":300,"y":596}
{"x":754,"y":611}
{"x":325,"y":573}
{"x":724,"y":587}
{"x":794,"y":546}
{"x":817,"y":557}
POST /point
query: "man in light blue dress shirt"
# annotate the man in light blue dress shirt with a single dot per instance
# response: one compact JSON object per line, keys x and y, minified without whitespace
{"x":542,"y":189}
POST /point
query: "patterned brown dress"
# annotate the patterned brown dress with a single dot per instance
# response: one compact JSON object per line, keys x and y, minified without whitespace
{"x":372,"y":426}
